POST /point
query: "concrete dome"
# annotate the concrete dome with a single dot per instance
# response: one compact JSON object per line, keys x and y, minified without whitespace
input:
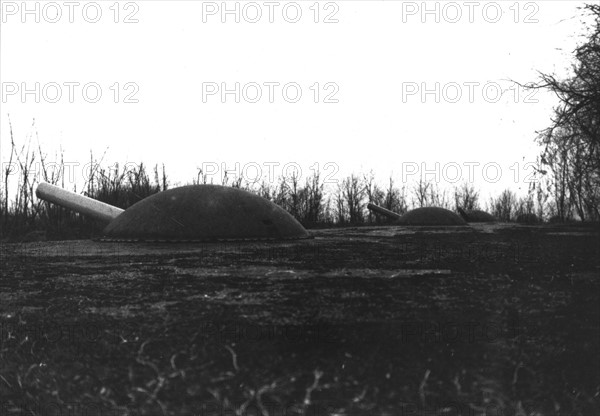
{"x":430,"y":216}
{"x":204,"y":213}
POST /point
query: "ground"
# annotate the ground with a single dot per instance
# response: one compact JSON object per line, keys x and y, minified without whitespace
{"x":490,"y":319}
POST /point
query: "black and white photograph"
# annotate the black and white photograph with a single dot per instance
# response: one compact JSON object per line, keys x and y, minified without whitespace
{"x":300,"y":208}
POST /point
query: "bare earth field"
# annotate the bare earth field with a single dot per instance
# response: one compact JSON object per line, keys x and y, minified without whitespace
{"x":483,"y":320}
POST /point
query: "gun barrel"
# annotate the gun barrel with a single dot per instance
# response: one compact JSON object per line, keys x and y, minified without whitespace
{"x":380,"y":210}
{"x":78,"y":203}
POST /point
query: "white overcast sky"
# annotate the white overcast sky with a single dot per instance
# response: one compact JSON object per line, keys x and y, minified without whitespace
{"x":368,"y":55}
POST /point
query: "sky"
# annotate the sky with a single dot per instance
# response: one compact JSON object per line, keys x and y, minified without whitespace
{"x":264,"y":89}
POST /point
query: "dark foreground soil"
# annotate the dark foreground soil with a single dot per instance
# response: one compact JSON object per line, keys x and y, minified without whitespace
{"x":488,"y":320}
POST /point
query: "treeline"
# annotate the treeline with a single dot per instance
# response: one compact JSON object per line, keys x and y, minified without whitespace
{"x":571,"y":144}
{"x":311,"y":201}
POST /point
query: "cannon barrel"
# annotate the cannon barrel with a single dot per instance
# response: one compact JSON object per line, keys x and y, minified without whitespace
{"x":380,"y":210}
{"x":78,"y":203}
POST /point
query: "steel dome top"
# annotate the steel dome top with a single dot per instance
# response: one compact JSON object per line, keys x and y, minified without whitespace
{"x":476,"y":215}
{"x":430,"y":216}
{"x":205,"y":212}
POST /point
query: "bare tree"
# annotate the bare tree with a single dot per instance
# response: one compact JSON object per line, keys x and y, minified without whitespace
{"x":314,"y":199}
{"x":421,"y":192}
{"x":354,"y":192}
{"x":375,"y":195}
{"x":466,"y":197}
{"x":395,"y":199}
{"x":437,"y":197}
{"x":571,"y":144}
{"x":504,"y":206}
{"x":341,"y":210}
